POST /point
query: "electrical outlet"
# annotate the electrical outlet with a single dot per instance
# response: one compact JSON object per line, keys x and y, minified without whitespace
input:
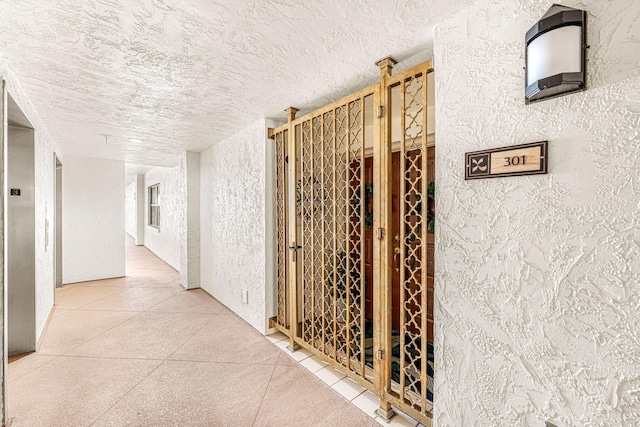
{"x":244,"y":296}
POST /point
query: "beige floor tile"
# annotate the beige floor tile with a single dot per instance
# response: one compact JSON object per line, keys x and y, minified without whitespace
{"x":193,"y":394}
{"x":296,"y":398}
{"x":80,"y":296}
{"x":155,"y":281}
{"x":194,"y":301}
{"x":133,"y":299}
{"x":146,"y":336}
{"x":114,"y":283}
{"x":226,"y":338}
{"x":73,"y":329}
{"x":59,"y":312}
{"x":71,"y":391}
{"x":284,"y":360}
{"x":25,"y":364}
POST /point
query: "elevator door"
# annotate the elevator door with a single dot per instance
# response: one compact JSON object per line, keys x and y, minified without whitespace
{"x":20,"y":229}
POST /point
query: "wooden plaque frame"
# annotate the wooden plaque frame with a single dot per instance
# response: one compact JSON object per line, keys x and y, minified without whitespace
{"x":515,"y":160}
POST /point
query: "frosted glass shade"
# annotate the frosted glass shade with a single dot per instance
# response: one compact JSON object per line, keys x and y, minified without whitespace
{"x":555,"y":52}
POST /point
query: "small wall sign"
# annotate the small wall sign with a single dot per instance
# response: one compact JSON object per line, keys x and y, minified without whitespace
{"x":525,"y":159}
{"x":15,"y":192}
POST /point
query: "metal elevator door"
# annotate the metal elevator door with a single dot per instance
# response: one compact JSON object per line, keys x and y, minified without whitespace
{"x":20,"y":229}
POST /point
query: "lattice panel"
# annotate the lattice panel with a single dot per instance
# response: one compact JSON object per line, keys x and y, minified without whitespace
{"x":304,"y":193}
{"x":413,"y":245}
{"x":317,"y":244}
{"x":281,"y":191}
{"x":355,"y":224}
{"x":340,"y":235}
{"x":331,"y":190}
{"x":329,"y":274}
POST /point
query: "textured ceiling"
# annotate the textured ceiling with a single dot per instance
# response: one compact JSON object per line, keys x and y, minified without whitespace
{"x":162,"y":76}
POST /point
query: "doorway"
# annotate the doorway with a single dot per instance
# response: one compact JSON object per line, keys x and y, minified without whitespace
{"x":20,"y":232}
{"x":57,"y":235}
{"x":355,"y":205}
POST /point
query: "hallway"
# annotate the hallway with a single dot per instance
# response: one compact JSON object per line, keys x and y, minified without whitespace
{"x":141,"y":351}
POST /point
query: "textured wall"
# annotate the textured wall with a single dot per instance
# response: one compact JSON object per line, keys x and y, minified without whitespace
{"x":130,"y":224}
{"x":234,"y":253}
{"x":166,"y":241}
{"x":538,"y":278}
{"x":45,"y":200}
{"x":190,"y":239}
{"x":93,"y":219}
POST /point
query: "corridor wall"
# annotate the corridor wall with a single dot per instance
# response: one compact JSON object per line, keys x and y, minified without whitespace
{"x":130,"y":209}
{"x":237,"y":223}
{"x":165,"y":241}
{"x":94,"y":218}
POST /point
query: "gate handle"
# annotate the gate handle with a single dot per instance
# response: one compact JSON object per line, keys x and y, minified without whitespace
{"x":396,"y":260}
{"x":293,"y":248}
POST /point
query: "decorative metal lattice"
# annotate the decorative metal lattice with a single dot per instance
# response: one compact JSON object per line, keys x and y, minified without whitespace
{"x":340,"y":309}
{"x":281,"y":191}
{"x":331,"y":189}
{"x":328,"y":218}
{"x":355,"y":231}
{"x":413,"y":375}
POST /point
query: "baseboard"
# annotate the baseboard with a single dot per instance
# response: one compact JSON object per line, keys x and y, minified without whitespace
{"x":44,"y":330}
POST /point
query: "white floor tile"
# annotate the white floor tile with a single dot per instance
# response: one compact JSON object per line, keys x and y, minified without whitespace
{"x":329,"y":375}
{"x":297,"y":355}
{"x":277,"y":337}
{"x":399,"y":420}
{"x":348,"y":388}
{"x":313,"y":363}
{"x":300,"y":355}
{"x":283,"y":346}
{"x":368,"y":403}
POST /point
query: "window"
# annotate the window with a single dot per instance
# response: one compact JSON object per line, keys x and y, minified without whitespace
{"x":154,"y":205}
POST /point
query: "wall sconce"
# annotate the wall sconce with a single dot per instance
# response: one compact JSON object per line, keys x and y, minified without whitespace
{"x":555,"y":54}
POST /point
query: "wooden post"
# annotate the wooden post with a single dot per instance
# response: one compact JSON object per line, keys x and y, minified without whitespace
{"x":382,"y":243}
{"x":292,"y":230}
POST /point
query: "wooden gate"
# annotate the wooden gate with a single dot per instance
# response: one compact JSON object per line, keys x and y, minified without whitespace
{"x":354,"y":201}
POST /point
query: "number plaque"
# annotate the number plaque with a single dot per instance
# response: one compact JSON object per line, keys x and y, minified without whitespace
{"x":525,"y":159}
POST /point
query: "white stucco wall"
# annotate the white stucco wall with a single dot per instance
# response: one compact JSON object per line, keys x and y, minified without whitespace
{"x":165,"y":241}
{"x":93,"y":219}
{"x":538,"y":278}
{"x":44,"y":200}
{"x":190,"y":239}
{"x":130,"y":209}
{"x":235,"y":253}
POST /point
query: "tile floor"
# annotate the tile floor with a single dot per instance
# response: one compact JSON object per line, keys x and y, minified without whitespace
{"x":142,"y":351}
{"x":361,"y":398}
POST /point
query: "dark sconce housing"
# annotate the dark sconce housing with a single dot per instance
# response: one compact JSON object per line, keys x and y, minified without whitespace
{"x":555,"y":54}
